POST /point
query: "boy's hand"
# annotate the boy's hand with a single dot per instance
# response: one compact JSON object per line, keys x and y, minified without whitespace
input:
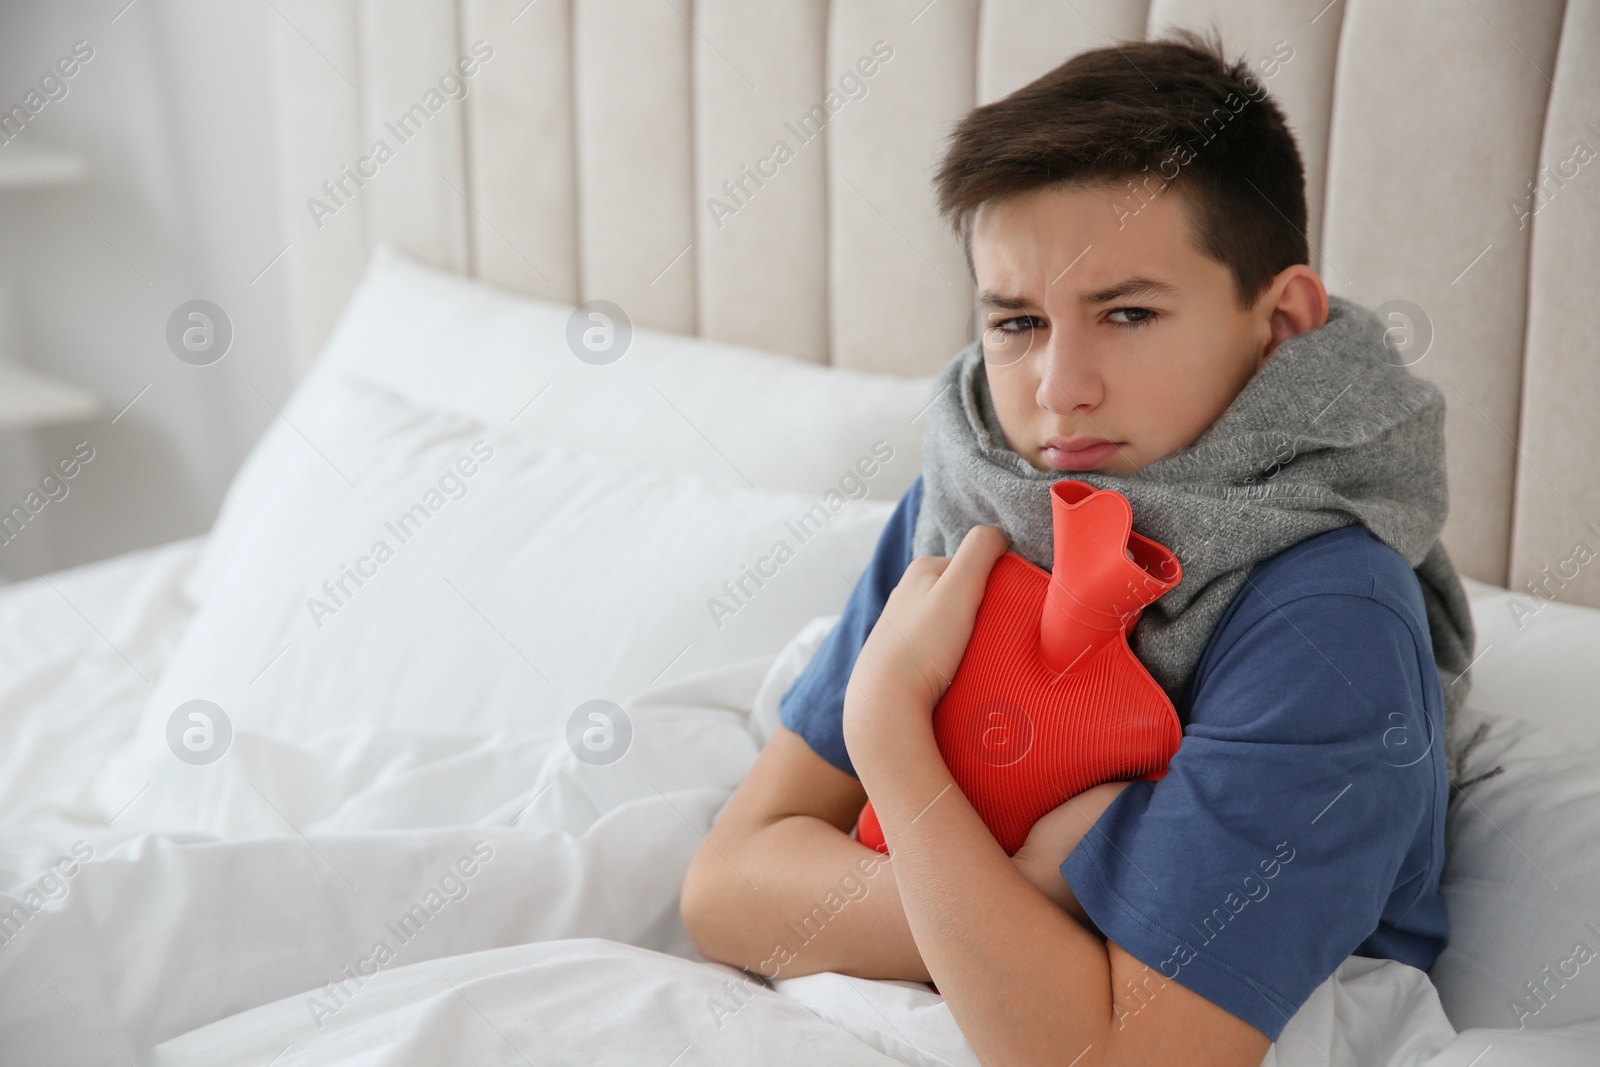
{"x":1053,"y":838}
{"x":914,"y":649}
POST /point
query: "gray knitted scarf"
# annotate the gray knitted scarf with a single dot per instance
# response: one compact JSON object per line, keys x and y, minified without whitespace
{"x":1329,"y":433}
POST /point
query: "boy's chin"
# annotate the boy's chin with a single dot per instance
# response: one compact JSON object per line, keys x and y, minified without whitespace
{"x":1039,"y":464}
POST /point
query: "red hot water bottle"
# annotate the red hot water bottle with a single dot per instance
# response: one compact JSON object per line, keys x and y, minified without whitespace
{"x":1049,"y":700}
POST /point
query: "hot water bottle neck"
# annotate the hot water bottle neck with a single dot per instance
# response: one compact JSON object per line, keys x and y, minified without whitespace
{"x":1049,"y":700}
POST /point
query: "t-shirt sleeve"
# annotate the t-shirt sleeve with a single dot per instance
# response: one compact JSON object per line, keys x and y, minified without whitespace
{"x":813,"y":705}
{"x":1274,"y":843}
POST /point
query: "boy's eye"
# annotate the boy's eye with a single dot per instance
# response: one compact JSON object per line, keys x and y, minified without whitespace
{"x":1018,"y":324}
{"x":1140,"y":317}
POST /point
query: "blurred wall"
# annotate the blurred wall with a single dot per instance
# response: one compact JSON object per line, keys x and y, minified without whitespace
{"x":173,"y":115}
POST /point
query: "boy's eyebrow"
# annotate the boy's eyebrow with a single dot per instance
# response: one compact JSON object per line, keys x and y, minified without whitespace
{"x":1138,"y":285}
{"x":1003,"y":301}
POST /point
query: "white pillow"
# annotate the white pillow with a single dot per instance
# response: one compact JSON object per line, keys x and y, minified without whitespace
{"x":1536,"y":660}
{"x":529,"y":580}
{"x":1522,"y":880}
{"x":674,"y":403}
{"x":1522,"y":874}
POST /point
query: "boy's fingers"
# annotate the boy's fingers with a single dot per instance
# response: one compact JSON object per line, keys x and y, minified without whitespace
{"x":974,"y":559}
{"x":927,"y":568}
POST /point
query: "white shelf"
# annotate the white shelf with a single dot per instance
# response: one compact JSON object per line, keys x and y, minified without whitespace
{"x":32,"y":166}
{"x":29,"y":397}
{"x":32,"y":398}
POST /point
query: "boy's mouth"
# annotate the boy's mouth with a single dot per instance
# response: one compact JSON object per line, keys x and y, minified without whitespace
{"x":1077,"y":453}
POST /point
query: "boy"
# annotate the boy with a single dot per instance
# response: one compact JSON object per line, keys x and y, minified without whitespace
{"x":1149,"y":323}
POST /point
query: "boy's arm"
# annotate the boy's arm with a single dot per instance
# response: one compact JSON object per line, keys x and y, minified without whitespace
{"x":1052,"y":840}
{"x":759,"y":891}
{"x":1024,"y":982}
{"x":782,"y":845}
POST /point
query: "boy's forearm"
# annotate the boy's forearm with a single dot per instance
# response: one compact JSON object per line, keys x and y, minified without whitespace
{"x":798,"y":897}
{"x":1024,"y":981}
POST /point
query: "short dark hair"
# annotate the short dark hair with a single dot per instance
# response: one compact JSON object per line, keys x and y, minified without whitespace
{"x":1137,"y":112}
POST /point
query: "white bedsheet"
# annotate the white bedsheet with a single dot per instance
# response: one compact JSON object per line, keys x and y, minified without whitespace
{"x":562,"y":945}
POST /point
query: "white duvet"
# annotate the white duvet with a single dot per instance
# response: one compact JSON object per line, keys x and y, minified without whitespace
{"x":459,"y":898}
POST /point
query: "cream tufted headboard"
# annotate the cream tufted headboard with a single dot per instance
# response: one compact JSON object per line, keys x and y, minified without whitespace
{"x":1450,"y":148}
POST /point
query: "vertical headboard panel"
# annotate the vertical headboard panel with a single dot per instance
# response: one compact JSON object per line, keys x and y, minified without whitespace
{"x":319,"y":131}
{"x":521,"y":168}
{"x":1425,"y":151}
{"x":761,"y":192}
{"x":1558,"y":491}
{"x":901,"y":297}
{"x":415,"y":200}
{"x":635,"y":131}
{"x":1292,"y":48}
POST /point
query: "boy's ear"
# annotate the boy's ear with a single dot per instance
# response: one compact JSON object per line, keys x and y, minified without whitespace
{"x":1295,"y":302}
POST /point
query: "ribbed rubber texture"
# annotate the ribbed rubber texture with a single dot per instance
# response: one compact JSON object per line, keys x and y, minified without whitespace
{"x":1021,"y":739}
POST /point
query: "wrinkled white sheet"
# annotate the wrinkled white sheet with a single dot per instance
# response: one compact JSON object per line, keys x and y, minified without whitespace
{"x":600,"y":1002}
{"x":542,"y":891}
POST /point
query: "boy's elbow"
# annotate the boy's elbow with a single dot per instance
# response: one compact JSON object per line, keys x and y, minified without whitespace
{"x":702,"y":907}
{"x":692,"y":901}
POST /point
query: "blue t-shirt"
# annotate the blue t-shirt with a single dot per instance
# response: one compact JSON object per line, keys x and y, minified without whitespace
{"x":1302,"y":818}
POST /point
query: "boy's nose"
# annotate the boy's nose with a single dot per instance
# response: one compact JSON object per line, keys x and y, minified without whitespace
{"x":1069,"y":380}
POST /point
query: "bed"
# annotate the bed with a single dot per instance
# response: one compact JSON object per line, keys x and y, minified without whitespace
{"x":404,"y":761}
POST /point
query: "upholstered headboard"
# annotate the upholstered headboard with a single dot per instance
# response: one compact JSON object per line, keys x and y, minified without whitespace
{"x":629,"y":150}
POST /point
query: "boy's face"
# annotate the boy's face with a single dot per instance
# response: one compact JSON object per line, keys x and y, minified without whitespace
{"x":1109,"y":340}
